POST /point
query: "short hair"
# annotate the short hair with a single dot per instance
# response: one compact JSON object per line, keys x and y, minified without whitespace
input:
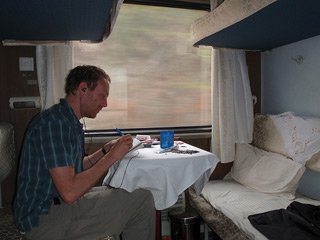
{"x":85,"y":73}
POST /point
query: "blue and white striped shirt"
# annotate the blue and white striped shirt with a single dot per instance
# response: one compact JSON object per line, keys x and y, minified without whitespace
{"x":53,"y":139}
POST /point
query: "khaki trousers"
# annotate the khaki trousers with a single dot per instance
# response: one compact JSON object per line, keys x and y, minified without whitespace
{"x":100,"y":213}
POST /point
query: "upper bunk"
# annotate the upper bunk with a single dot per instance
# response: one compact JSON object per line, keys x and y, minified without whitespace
{"x":43,"y":21}
{"x":257,"y":24}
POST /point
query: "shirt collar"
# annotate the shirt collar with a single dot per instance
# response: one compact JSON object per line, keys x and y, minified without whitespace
{"x":71,"y":114}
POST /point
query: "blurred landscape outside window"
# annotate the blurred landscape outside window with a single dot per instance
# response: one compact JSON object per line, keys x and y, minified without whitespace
{"x":158,"y":78}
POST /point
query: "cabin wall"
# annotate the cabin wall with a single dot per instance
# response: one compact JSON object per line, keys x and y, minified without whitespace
{"x":291,"y":78}
{"x":13,"y":83}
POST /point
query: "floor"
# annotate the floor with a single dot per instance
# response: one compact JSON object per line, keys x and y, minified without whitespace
{"x":205,"y":232}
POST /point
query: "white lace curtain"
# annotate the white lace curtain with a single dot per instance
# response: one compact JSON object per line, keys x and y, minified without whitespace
{"x":232,"y":106}
{"x":53,"y":64}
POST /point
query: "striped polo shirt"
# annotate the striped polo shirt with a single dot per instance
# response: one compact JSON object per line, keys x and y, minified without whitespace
{"x":54,"y":138}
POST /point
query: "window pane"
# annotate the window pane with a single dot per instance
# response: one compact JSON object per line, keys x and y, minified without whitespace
{"x":158,"y":79}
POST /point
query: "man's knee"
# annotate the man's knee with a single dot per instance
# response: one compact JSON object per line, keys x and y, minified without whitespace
{"x":147,"y":197}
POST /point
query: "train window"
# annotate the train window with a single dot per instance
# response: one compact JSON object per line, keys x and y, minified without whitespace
{"x":158,"y":78}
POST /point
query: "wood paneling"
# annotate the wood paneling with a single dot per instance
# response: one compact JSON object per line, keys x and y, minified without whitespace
{"x":254,"y":71}
{"x":13,"y":83}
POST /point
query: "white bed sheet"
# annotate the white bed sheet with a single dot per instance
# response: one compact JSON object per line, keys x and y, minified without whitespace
{"x":238,"y":202}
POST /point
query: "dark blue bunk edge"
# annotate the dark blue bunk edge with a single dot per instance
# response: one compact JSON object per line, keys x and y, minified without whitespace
{"x":280,"y":23}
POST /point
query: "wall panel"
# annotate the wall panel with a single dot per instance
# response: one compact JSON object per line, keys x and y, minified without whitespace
{"x":13,"y":83}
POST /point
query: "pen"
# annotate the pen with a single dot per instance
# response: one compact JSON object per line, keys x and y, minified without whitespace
{"x":119,"y":132}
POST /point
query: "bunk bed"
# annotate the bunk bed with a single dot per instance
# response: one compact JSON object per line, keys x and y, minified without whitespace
{"x":263,"y":178}
{"x":226,"y":204}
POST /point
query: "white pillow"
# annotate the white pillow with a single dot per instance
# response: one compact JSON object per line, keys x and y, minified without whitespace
{"x":314,"y":162}
{"x":264,"y":171}
{"x":300,"y":135}
{"x":266,"y":135}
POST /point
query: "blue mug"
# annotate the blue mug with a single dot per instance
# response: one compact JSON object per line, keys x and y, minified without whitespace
{"x":166,"y":139}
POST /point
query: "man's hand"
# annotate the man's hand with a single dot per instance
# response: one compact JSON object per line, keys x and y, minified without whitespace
{"x":109,"y":144}
{"x":120,"y":147}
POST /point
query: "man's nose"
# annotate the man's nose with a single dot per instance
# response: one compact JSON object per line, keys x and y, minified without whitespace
{"x":105,"y":103}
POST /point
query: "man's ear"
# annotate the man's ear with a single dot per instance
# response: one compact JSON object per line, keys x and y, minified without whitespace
{"x":83,"y":87}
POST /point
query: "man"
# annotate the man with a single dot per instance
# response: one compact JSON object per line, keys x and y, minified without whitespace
{"x":55,"y":198}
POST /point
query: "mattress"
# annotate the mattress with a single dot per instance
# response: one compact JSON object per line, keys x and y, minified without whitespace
{"x":238,"y":202}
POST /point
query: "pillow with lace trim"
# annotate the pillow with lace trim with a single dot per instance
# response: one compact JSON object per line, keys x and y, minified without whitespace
{"x":266,"y":135}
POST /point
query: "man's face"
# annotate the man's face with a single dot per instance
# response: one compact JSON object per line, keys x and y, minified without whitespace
{"x":93,"y":101}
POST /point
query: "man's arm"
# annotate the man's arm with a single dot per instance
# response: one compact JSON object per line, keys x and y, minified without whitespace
{"x":71,"y":185}
{"x":93,"y":158}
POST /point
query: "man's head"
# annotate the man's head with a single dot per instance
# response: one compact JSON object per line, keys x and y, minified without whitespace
{"x":84,"y":74}
{"x":87,"y":89}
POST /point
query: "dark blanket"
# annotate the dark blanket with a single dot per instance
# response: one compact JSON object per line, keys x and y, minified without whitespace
{"x":298,"y":221}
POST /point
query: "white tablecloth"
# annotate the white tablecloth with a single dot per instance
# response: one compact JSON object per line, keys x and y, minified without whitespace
{"x":166,"y":175}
